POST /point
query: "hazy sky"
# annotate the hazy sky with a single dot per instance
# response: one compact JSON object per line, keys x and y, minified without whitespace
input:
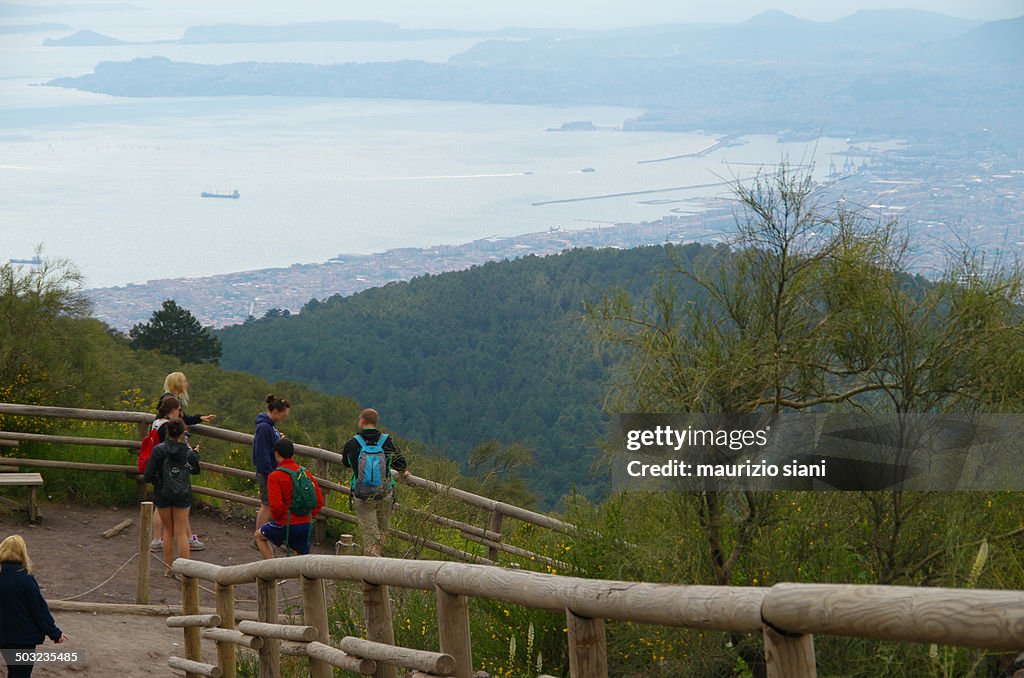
{"x":579,"y":13}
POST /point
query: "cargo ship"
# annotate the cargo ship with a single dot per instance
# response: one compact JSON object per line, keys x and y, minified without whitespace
{"x":234,"y":195}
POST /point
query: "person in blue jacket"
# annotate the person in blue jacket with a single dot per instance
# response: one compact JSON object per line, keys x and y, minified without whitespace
{"x":263,"y":450}
{"x":25,"y":617}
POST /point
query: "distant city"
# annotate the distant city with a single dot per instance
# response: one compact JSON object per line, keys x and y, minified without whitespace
{"x":968,"y":192}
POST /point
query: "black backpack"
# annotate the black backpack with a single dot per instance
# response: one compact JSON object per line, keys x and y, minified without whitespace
{"x":175,"y":483}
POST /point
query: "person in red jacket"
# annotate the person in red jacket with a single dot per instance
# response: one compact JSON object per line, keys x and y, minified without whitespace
{"x":282,"y":526}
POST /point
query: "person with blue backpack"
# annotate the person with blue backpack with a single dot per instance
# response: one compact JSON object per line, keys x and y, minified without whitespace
{"x":372,"y":455}
{"x":295,"y":499}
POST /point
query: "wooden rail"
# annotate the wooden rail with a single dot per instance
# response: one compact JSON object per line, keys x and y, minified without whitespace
{"x":786,"y":615}
{"x":490,"y":536}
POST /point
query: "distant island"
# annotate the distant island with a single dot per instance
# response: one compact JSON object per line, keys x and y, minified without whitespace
{"x":897,"y":73}
{"x":83,"y":39}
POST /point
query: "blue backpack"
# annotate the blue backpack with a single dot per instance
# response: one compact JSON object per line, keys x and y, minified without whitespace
{"x":371,"y":478}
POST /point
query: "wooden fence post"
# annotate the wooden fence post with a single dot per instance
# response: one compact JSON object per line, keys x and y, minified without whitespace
{"x":190,"y":605}
{"x":314,"y":613}
{"x":270,"y":653}
{"x":226,"y":652}
{"x":453,"y":629}
{"x":320,"y":523}
{"x":789,"y":656}
{"x":495,"y":526}
{"x":588,"y":655}
{"x":145,"y":524}
{"x":377,"y":608}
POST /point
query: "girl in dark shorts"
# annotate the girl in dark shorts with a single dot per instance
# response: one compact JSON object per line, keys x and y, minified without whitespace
{"x":169,"y":469}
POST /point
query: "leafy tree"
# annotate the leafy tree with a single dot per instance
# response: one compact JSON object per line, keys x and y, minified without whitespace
{"x":175,"y":331}
{"x":810,"y":307}
{"x":39,"y":341}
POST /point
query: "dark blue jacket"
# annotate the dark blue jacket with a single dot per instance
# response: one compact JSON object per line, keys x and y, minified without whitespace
{"x":263,"y":444}
{"x":24,"y":615}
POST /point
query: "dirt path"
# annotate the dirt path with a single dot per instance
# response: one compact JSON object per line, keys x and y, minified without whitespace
{"x":70,"y":557}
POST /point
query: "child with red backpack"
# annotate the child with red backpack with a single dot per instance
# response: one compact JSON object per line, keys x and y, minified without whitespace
{"x":295,"y":499}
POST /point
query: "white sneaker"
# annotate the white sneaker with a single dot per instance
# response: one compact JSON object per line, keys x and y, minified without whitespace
{"x":195,"y":545}
{"x":156,"y":545}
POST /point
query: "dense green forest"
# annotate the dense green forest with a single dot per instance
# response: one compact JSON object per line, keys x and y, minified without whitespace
{"x":497,"y":352}
{"x":810,"y":308}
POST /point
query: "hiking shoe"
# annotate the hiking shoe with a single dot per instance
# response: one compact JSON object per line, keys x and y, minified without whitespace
{"x":195,"y":545}
{"x":156,"y":545}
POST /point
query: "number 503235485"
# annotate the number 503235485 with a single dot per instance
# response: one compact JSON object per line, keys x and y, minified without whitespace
{"x":25,"y":657}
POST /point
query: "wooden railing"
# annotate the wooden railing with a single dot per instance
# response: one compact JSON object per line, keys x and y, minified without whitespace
{"x":490,"y":536}
{"x":786,"y":615}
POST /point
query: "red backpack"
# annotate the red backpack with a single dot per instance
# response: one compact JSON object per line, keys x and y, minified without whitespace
{"x":151,"y":440}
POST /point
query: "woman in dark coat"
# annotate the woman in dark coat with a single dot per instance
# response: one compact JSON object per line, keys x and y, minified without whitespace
{"x":25,"y":618}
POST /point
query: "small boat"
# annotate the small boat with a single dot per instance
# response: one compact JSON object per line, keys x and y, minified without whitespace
{"x":588,"y":169}
{"x":235,"y":195}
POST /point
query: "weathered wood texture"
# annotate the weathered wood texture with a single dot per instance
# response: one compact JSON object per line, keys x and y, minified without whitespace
{"x":453,"y":631}
{"x":965,"y":617}
{"x":314,"y":613}
{"x":789,"y":656}
{"x":379,"y":628}
{"x":75,"y":413}
{"x":431,"y":662}
{"x":194,"y":620}
{"x":330,"y":655}
{"x":117,"y":529}
{"x":142,"y":567}
{"x":233,"y":637}
{"x":278,"y":631}
{"x":588,"y":652}
{"x":227,"y":655}
{"x":68,"y":440}
{"x":194,"y":668}
{"x":72,"y":465}
{"x":128,"y":608}
{"x":270,"y":653}
{"x":190,"y":606}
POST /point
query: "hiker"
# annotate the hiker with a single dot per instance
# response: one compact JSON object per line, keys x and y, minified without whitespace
{"x":295,"y":499}
{"x":25,"y":618}
{"x":176,"y":385}
{"x":371,"y":455}
{"x":263,"y":451}
{"x":170,"y":469}
{"x":169,"y":408}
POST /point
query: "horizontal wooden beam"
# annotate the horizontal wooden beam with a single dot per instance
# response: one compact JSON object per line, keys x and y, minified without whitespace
{"x":72,"y":465}
{"x":278,"y":631}
{"x":126,"y":608}
{"x":332,"y":656}
{"x":965,"y":617}
{"x":516,"y":551}
{"x":509,"y":510}
{"x":68,"y":440}
{"x":112,"y":416}
{"x":195,"y":668}
{"x":187,"y":621}
{"x":431,"y":662}
{"x":448,"y":522}
{"x":234,"y":637}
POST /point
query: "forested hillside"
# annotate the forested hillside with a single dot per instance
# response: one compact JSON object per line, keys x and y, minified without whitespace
{"x":497,"y":352}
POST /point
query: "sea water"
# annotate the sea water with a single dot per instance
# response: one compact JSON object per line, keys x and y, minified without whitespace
{"x":114,"y":183}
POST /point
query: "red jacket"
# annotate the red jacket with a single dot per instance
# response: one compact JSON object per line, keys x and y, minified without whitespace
{"x":279,"y":488}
